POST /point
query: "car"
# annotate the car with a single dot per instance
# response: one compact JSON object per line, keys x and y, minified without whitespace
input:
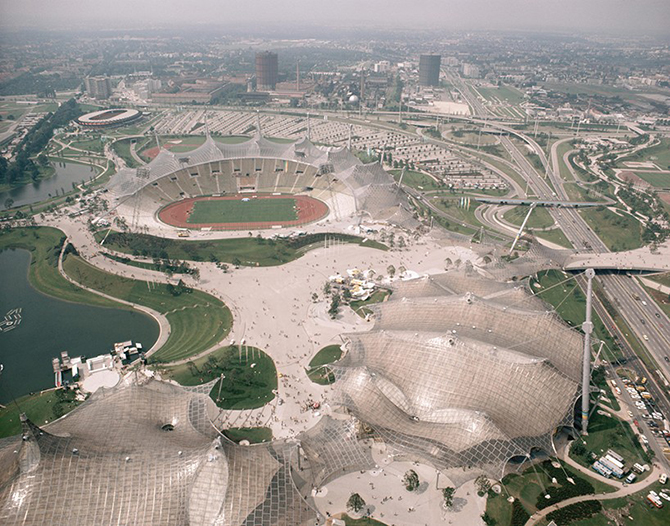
{"x":666,"y":359}
{"x":630,"y":414}
{"x":657,"y":314}
{"x":645,"y":337}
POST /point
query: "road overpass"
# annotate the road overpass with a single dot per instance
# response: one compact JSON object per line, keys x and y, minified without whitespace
{"x":639,"y":259}
{"x":536,"y":202}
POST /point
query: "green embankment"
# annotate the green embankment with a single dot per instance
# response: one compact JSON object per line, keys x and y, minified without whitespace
{"x":45,"y":244}
{"x":198,"y":321}
{"x":251,"y":251}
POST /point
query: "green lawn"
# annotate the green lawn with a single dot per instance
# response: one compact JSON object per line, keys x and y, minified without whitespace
{"x":41,"y":408}
{"x":539,"y":218}
{"x":197,"y":320}
{"x":660,"y":154}
{"x":249,"y":374}
{"x":323,"y":375}
{"x":45,"y":244}
{"x":91,"y":145}
{"x":554,"y":235}
{"x":530,"y":486}
{"x":637,"y":507}
{"x":569,"y":302}
{"x":617,"y":232}
{"x":377,"y":296}
{"x":610,"y":433}
{"x":122,"y":149}
{"x":416,"y":180}
{"x":563,"y":169}
{"x":365,"y":521}
{"x":254,"y":435}
{"x":252,"y":251}
{"x":659,"y":180}
{"x":238,"y":211}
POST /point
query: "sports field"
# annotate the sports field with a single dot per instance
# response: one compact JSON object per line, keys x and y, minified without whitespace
{"x":243,"y":211}
{"x":251,"y":211}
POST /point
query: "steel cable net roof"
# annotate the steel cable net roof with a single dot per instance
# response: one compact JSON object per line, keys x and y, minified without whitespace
{"x":114,"y":460}
{"x":373,"y":189}
{"x":463,"y":382}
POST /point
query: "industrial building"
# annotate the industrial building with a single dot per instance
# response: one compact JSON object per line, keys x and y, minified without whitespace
{"x":267,"y":70}
{"x":429,"y":70}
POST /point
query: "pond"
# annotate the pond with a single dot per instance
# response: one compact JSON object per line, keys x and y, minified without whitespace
{"x":66,"y":174}
{"x":49,"y":326}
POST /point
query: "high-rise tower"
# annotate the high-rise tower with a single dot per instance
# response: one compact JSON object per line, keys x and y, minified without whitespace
{"x":267,"y":70}
{"x":429,"y":70}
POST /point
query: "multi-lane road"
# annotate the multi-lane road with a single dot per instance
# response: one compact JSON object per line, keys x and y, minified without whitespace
{"x":650,"y":325}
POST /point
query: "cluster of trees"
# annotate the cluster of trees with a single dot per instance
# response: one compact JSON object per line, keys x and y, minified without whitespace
{"x":23,"y":168}
{"x":39,"y":84}
{"x":575,"y":512}
{"x":564,"y":490}
{"x":178,"y":289}
{"x":411,"y":480}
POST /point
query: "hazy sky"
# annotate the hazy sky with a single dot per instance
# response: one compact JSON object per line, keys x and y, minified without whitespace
{"x":583,"y":15}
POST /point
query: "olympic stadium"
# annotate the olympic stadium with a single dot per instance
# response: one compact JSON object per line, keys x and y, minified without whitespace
{"x":464,"y":371}
{"x":109,"y":118}
{"x":326,"y":183}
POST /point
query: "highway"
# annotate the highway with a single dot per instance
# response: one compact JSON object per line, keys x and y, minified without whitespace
{"x":650,"y":325}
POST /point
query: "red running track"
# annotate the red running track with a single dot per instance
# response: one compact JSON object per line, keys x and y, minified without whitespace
{"x":308,"y":210}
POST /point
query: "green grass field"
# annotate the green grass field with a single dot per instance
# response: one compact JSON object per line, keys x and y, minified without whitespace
{"x":660,"y":154}
{"x":322,"y":375}
{"x":617,"y":232}
{"x":658,"y":180}
{"x":250,"y":376}
{"x":197,"y":320}
{"x":569,"y":302}
{"x":610,"y":433}
{"x":41,"y":408}
{"x":243,"y":251}
{"x":255,"y":435}
{"x":539,"y":218}
{"x":416,"y":180}
{"x":238,"y":211}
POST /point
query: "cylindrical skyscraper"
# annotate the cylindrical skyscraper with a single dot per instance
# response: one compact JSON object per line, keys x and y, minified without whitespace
{"x":267,"y":70}
{"x":429,"y":70}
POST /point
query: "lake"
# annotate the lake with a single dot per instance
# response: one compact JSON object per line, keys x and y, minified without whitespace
{"x":66,"y":174}
{"x":49,"y":326}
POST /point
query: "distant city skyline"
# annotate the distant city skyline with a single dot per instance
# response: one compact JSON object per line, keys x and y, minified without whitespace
{"x":598,"y":16}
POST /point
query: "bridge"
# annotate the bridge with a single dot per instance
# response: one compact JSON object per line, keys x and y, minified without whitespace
{"x":535,"y":202}
{"x":657,"y":260}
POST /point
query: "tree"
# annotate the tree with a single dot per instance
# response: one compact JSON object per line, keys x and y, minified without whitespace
{"x":482,"y":484}
{"x":390,"y":270}
{"x":9,"y":202}
{"x":448,"y":496}
{"x":355,"y":503}
{"x":411,"y":480}
{"x":334,"y":306}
